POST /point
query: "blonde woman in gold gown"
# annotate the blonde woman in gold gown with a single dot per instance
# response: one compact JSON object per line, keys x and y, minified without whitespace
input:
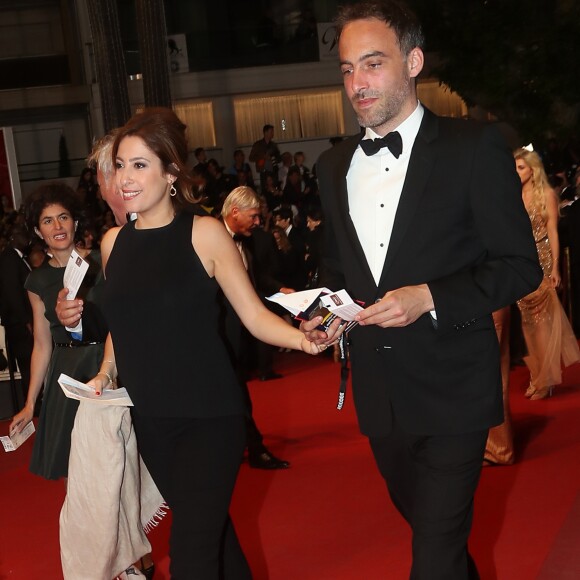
{"x":548,"y":334}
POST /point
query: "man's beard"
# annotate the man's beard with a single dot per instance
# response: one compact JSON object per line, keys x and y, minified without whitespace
{"x":386,"y":108}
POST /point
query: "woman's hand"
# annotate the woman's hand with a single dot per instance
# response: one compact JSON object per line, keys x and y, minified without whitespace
{"x":100,"y":382}
{"x":21,"y":420}
{"x":69,"y":312}
{"x":316,"y":341}
{"x":555,"y":277}
{"x":310,"y":347}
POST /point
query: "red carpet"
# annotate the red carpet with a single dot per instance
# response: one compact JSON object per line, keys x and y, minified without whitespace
{"x":328,"y":517}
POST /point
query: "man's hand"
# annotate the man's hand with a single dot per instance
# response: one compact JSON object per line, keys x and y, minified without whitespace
{"x":69,"y":312}
{"x":398,"y":308}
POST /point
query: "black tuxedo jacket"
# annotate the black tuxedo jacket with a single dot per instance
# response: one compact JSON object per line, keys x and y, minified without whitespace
{"x":263,"y":266}
{"x":461,"y":228}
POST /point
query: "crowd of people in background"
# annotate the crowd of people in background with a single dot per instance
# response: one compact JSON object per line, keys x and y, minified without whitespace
{"x":291,"y":212}
{"x":286,"y":184}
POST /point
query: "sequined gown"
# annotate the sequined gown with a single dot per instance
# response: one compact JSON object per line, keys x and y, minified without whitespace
{"x":549,"y":337}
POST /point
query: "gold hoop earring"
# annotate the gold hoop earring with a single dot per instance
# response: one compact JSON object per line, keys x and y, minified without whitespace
{"x":172,"y":191}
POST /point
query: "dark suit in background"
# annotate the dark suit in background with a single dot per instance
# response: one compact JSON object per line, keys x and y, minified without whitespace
{"x":259,"y":252}
{"x":263,"y":268}
{"x":569,"y":234}
{"x":16,"y":313}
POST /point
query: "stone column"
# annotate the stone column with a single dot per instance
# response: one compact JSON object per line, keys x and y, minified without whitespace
{"x":109,"y":62}
{"x":152,"y":33}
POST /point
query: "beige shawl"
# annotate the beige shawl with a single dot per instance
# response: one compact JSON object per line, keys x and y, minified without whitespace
{"x":111,"y":498}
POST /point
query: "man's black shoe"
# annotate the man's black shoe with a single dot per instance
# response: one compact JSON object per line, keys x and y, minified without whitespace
{"x":270,"y":376}
{"x":267,"y":461}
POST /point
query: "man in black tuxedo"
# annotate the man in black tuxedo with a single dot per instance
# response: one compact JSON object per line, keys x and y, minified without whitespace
{"x":15,"y":309}
{"x":241,"y":217}
{"x":284,"y":218}
{"x":427,"y":227}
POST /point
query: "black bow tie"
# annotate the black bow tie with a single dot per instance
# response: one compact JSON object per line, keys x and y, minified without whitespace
{"x":238,"y":238}
{"x":391,"y":140}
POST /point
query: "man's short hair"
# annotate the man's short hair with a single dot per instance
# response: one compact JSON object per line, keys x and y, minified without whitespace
{"x":242,"y":197}
{"x":397,"y":15}
{"x":267,"y":128}
{"x":284,"y":213}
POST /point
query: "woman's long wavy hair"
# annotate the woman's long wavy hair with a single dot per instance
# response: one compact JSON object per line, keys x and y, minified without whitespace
{"x":540,"y":185}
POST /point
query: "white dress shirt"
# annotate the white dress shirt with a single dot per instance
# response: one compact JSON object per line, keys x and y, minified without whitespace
{"x":374,"y":185}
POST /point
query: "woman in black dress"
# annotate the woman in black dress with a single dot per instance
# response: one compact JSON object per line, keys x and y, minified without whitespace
{"x":163,"y":272}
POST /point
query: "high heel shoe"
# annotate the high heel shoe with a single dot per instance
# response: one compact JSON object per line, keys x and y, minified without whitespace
{"x":530,"y":391}
{"x":542,"y":394}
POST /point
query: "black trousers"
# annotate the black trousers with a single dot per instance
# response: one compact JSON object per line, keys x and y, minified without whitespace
{"x":432,"y":481}
{"x":195,"y":463}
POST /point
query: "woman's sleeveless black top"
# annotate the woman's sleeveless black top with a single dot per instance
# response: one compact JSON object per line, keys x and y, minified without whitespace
{"x":162,"y":311}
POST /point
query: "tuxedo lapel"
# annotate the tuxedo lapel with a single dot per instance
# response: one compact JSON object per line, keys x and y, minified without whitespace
{"x":247,"y":249}
{"x":420,"y":165}
{"x":341,"y":169}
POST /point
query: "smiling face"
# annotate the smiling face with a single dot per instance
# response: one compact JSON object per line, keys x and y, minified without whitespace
{"x":377,"y":76}
{"x":56,"y":227}
{"x":140,"y":177}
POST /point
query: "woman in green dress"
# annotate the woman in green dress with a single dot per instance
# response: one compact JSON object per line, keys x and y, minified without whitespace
{"x":54,"y":213}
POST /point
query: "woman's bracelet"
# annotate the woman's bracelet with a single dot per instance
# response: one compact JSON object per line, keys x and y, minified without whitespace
{"x":107,"y":375}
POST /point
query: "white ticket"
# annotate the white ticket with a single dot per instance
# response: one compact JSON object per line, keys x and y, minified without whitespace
{"x":341,"y":304}
{"x":14,"y":441}
{"x":74,"y":389}
{"x":73,"y":275}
